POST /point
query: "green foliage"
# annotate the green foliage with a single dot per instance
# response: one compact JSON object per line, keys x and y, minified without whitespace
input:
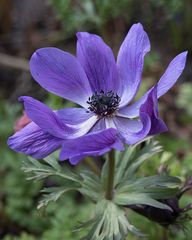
{"x":49,"y":167}
{"x":52,"y":194}
{"x":88,"y":15}
{"x":19,"y":198}
{"x":185,"y":98}
{"x":65,"y":215}
{"x":22,"y":196}
{"x":109,"y":223}
{"x":129,"y":161}
{"x":24,"y":236}
{"x":17,"y":195}
{"x":91,"y":186}
{"x":147,"y":190}
{"x":75,"y":16}
{"x":173,"y":7}
{"x":108,"y":9}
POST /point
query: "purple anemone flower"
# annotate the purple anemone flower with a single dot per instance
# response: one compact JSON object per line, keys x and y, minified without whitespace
{"x":104,"y":88}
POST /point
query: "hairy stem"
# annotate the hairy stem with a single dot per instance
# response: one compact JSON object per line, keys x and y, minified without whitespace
{"x":111,"y":172}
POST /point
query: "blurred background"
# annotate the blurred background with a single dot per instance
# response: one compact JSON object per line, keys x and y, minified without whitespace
{"x":26,"y":25}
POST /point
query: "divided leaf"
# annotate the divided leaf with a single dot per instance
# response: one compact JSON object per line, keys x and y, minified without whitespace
{"x":52,"y":194}
{"x":110,"y":223}
{"x":91,"y":185}
{"x":39,"y":170}
{"x":129,"y":161}
{"x":147,"y":191}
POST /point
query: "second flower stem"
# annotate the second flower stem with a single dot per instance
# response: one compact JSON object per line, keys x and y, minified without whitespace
{"x":111,"y":173}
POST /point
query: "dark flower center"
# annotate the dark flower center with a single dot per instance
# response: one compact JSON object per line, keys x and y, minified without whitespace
{"x":104,"y":103}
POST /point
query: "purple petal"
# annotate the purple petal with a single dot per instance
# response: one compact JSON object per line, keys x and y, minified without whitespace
{"x":31,"y":140}
{"x":78,"y":119}
{"x":133,"y":131}
{"x":92,"y":144}
{"x":130,"y":61}
{"x":131,"y":125}
{"x":74,"y":116}
{"x":75,"y":160}
{"x":98,"y":62}
{"x":168,"y":79}
{"x":100,"y":125}
{"x":151,"y":108}
{"x":60,"y":73}
{"x":84,"y":127}
{"x":171,"y":74}
{"x":45,"y":118}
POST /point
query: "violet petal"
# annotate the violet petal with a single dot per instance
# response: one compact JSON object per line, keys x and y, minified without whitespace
{"x":168,"y":79}
{"x":100,"y":125}
{"x":98,"y":62}
{"x":92,"y":144}
{"x":60,"y":73}
{"x":31,"y":140}
{"x":133,"y":131}
{"x":151,"y":108}
{"x":73,"y":116}
{"x":45,"y":118}
{"x":130,"y":61}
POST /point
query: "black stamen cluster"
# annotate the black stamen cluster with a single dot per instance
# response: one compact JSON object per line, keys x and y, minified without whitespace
{"x":104,"y":103}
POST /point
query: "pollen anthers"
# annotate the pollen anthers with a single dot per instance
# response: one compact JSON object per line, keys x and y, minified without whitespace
{"x":104,"y":103}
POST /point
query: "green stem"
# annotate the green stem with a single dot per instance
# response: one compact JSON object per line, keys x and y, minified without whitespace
{"x":165,"y":234}
{"x":111,"y":172}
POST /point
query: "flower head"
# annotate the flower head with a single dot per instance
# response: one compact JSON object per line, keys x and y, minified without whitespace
{"x":103,"y":88}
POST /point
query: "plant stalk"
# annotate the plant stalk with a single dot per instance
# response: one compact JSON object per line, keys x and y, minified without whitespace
{"x":111,"y":173}
{"x":165,"y":234}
